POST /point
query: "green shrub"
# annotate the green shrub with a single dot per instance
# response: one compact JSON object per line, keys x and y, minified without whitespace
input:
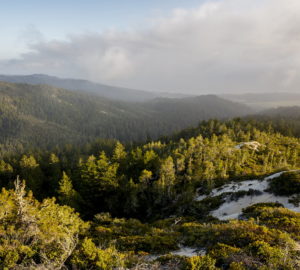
{"x":286,"y":184}
{"x":276,"y":217}
{"x":88,"y":256}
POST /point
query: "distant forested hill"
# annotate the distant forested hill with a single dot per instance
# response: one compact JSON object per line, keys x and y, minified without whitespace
{"x":43,"y":116}
{"x":111,"y":92}
{"x":285,"y":120}
{"x":288,"y":112}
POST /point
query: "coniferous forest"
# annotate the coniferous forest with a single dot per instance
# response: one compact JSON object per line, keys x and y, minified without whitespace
{"x":43,"y":117}
{"x":112,"y":205}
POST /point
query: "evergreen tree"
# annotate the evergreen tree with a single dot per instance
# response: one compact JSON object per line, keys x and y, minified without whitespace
{"x":33,"y":175}
{"x":167,"y":176}
{"x":119,"y":153}
{"x":66,"y":193}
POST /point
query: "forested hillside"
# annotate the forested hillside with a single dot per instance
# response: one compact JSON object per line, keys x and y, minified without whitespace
{"x":107,"y":91}
{"x":284,"y":119}
{"x":143,"y":207}
{"x":43,"y":116}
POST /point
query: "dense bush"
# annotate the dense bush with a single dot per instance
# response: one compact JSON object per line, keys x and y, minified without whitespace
{"x":275,"y":216}
{"x":286,"y":184}
{"x":38,"y":235}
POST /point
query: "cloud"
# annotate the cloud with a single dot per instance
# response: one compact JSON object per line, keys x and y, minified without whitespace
{"x":30,"y":34}
{"x":221,"y":46}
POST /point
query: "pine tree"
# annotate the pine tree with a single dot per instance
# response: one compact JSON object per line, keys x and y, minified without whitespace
{"x":145,"y":176}
{"x":53,"y":173}
{"x":167,"y":175}
{"x":119,"y":153}
{"x":33,"y":175}
{"x":66,"y":193}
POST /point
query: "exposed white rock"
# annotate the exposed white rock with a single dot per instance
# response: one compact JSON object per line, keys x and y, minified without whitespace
{"x":189,"y":252}
{"x":252,"y":145}
{"x":233,"y":209}
{"x":183,"y":251}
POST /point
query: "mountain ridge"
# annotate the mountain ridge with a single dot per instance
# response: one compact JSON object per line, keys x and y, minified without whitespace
{"x":111,"y":92}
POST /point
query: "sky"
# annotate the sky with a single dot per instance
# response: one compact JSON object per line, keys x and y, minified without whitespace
{"x":187,"y":46}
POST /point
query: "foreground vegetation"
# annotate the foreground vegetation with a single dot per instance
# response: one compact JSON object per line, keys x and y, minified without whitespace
{"x":136,"y":203}
{"x":44,"y":235}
